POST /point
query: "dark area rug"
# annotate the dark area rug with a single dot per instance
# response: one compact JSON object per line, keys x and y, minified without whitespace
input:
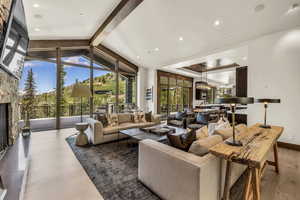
{"x":113,"y":168}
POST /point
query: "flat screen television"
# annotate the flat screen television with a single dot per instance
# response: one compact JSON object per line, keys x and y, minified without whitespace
{"x":14,"y":38}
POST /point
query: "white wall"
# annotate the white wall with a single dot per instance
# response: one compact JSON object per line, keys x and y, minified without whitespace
{"x":274,"y":72}
{"x":152,"y":82}
{"x":141,"y":88}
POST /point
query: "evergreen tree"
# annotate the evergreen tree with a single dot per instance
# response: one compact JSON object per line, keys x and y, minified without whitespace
{"x":63,"y":102}
{"x":29,"y":94}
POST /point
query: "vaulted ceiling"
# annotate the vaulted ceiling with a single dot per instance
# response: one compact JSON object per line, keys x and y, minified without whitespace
{"x":162,"y":32}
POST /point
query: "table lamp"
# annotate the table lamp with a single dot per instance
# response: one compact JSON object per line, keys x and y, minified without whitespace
{"x":233,"y":101}
{"x":81,"y":91}
{"x":266,"y":102}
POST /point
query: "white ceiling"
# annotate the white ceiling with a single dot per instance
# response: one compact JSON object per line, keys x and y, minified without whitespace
{"x":159,"y":24}
{"x":61,"y":19}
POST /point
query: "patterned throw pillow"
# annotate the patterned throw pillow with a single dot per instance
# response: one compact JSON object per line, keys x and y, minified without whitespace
{"x":136,"y":117}
{"x":113,"y":119}
{"x":103,"y":119}
{"x":142,"y":117}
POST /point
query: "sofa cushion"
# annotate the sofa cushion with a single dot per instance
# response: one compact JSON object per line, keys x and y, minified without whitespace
{"x":145,"y":124}
{"x":176,"y":122}
{"x":125,"y":118}
{"x":201,"y":147}
{"x":110,"y":130}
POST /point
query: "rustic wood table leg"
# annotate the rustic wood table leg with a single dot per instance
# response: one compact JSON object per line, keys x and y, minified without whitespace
{"x":247,"y":185}
{"x":275,"y":147}
{"x":227,"y":181}
{"x":256,"y":183}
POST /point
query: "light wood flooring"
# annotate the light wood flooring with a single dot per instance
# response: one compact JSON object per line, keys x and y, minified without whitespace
{"x":55,"y":173}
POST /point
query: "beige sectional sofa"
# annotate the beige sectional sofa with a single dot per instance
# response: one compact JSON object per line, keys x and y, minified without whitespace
{"x":174,"y":174}
{"x":98,"y":134}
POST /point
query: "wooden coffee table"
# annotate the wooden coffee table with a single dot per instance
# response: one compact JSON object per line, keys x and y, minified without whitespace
{"x":139,"y":134}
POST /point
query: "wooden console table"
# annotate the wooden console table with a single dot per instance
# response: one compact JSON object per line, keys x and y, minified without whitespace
{"x":257,"y":142}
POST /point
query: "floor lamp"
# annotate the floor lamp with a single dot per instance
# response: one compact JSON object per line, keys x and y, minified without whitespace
{"x":80,"y":91}
{"x":233,"y":101}
{"x":266,"y":102}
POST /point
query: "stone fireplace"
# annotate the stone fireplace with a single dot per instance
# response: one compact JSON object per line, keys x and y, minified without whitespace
{"x":9,"y":98}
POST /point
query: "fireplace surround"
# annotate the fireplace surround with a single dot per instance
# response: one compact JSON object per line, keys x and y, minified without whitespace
{"x":9,"y":101}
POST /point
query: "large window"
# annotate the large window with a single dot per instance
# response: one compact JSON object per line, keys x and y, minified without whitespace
{"x":71,"y":75}
{"x":38,"y":89}
{"x":39,"y":82}
{"x":175,"y":92}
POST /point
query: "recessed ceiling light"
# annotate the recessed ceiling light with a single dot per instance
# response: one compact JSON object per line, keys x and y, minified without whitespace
{"x":217,"y":23}
{"x":259,"y":8}
{"x":36,"y":5}
{"x":180,"y":38}
{"x":38,"y":16}
{"x":294,"y":7}
{"x":245,"y":58}
{"x":37,"y":29}
{"x":138,"y":57}
{"x":156,"y":49}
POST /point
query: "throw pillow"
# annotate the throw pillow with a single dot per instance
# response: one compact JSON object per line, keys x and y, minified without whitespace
{"x":202,"y":133}
{"x":148,"y":116}
{"x":142,"y":117}
{"x":201,"y":147}
{"x":222,"y":124}
{"x":189,"y":138}
{"x":103,"y":119}
{"x":202,"y":118}
{"x":176,"y":141}
{"x":136,"y":117}
{"x":113,"y":119}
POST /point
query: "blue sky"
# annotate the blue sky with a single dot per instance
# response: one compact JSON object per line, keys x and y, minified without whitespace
{"x":45,"y":73}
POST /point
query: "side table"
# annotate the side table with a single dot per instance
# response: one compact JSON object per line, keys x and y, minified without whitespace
{"x":81,"y":139}
{"x":257,"y":143}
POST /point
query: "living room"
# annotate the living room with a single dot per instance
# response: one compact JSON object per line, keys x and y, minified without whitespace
{"x":140,"y":99}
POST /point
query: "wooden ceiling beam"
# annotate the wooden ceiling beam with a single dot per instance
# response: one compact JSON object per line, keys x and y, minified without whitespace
{"x":49,"y":45}
{"x":201,"y":68}
{"x":123,"y":9}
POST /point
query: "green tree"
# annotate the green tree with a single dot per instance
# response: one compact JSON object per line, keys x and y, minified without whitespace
{"x":63,"y":97}
{"x":29,"y":95}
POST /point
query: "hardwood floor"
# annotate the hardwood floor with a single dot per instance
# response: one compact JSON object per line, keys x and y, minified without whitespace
{"x":55,"y":173}
{"x":286,"y":185}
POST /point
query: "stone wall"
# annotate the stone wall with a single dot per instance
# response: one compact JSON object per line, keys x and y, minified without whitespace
{"x":9,"y":94}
